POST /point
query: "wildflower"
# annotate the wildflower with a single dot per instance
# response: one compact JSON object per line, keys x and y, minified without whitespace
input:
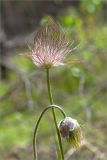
{"x":70,"y":129}
{"x":50,"y":45}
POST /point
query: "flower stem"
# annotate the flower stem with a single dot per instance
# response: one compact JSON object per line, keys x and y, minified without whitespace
{"x":37,"y":125}
{"x":53,"y":113}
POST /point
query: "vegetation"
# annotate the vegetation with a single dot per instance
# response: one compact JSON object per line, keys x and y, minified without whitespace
{"x":80,"y":88}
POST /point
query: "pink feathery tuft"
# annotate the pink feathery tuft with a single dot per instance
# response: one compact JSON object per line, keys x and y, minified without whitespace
{"x":50,"y":45}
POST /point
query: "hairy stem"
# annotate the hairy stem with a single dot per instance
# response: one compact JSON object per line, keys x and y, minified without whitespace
{"x":53,"y":113}
{"x":37,"y":125}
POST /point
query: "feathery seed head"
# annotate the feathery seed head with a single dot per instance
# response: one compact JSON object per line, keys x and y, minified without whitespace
{"x":50,"y":45}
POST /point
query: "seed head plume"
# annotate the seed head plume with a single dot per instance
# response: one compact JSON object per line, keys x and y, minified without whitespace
{"x":50,"y":45}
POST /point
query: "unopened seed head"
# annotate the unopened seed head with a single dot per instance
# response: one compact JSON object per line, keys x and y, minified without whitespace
{"x":70,"y":129}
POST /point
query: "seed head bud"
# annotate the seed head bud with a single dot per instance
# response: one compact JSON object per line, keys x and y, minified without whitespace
{"x":70,"y":129}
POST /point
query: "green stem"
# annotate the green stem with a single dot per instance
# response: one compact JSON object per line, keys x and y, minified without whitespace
{"x":37,"y":125}
{"x":53,"y":112}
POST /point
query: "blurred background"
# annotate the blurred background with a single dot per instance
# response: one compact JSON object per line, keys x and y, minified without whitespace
{"x":80,"y":88}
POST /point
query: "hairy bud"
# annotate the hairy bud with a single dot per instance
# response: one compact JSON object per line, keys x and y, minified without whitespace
{"x":70,"y":129}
